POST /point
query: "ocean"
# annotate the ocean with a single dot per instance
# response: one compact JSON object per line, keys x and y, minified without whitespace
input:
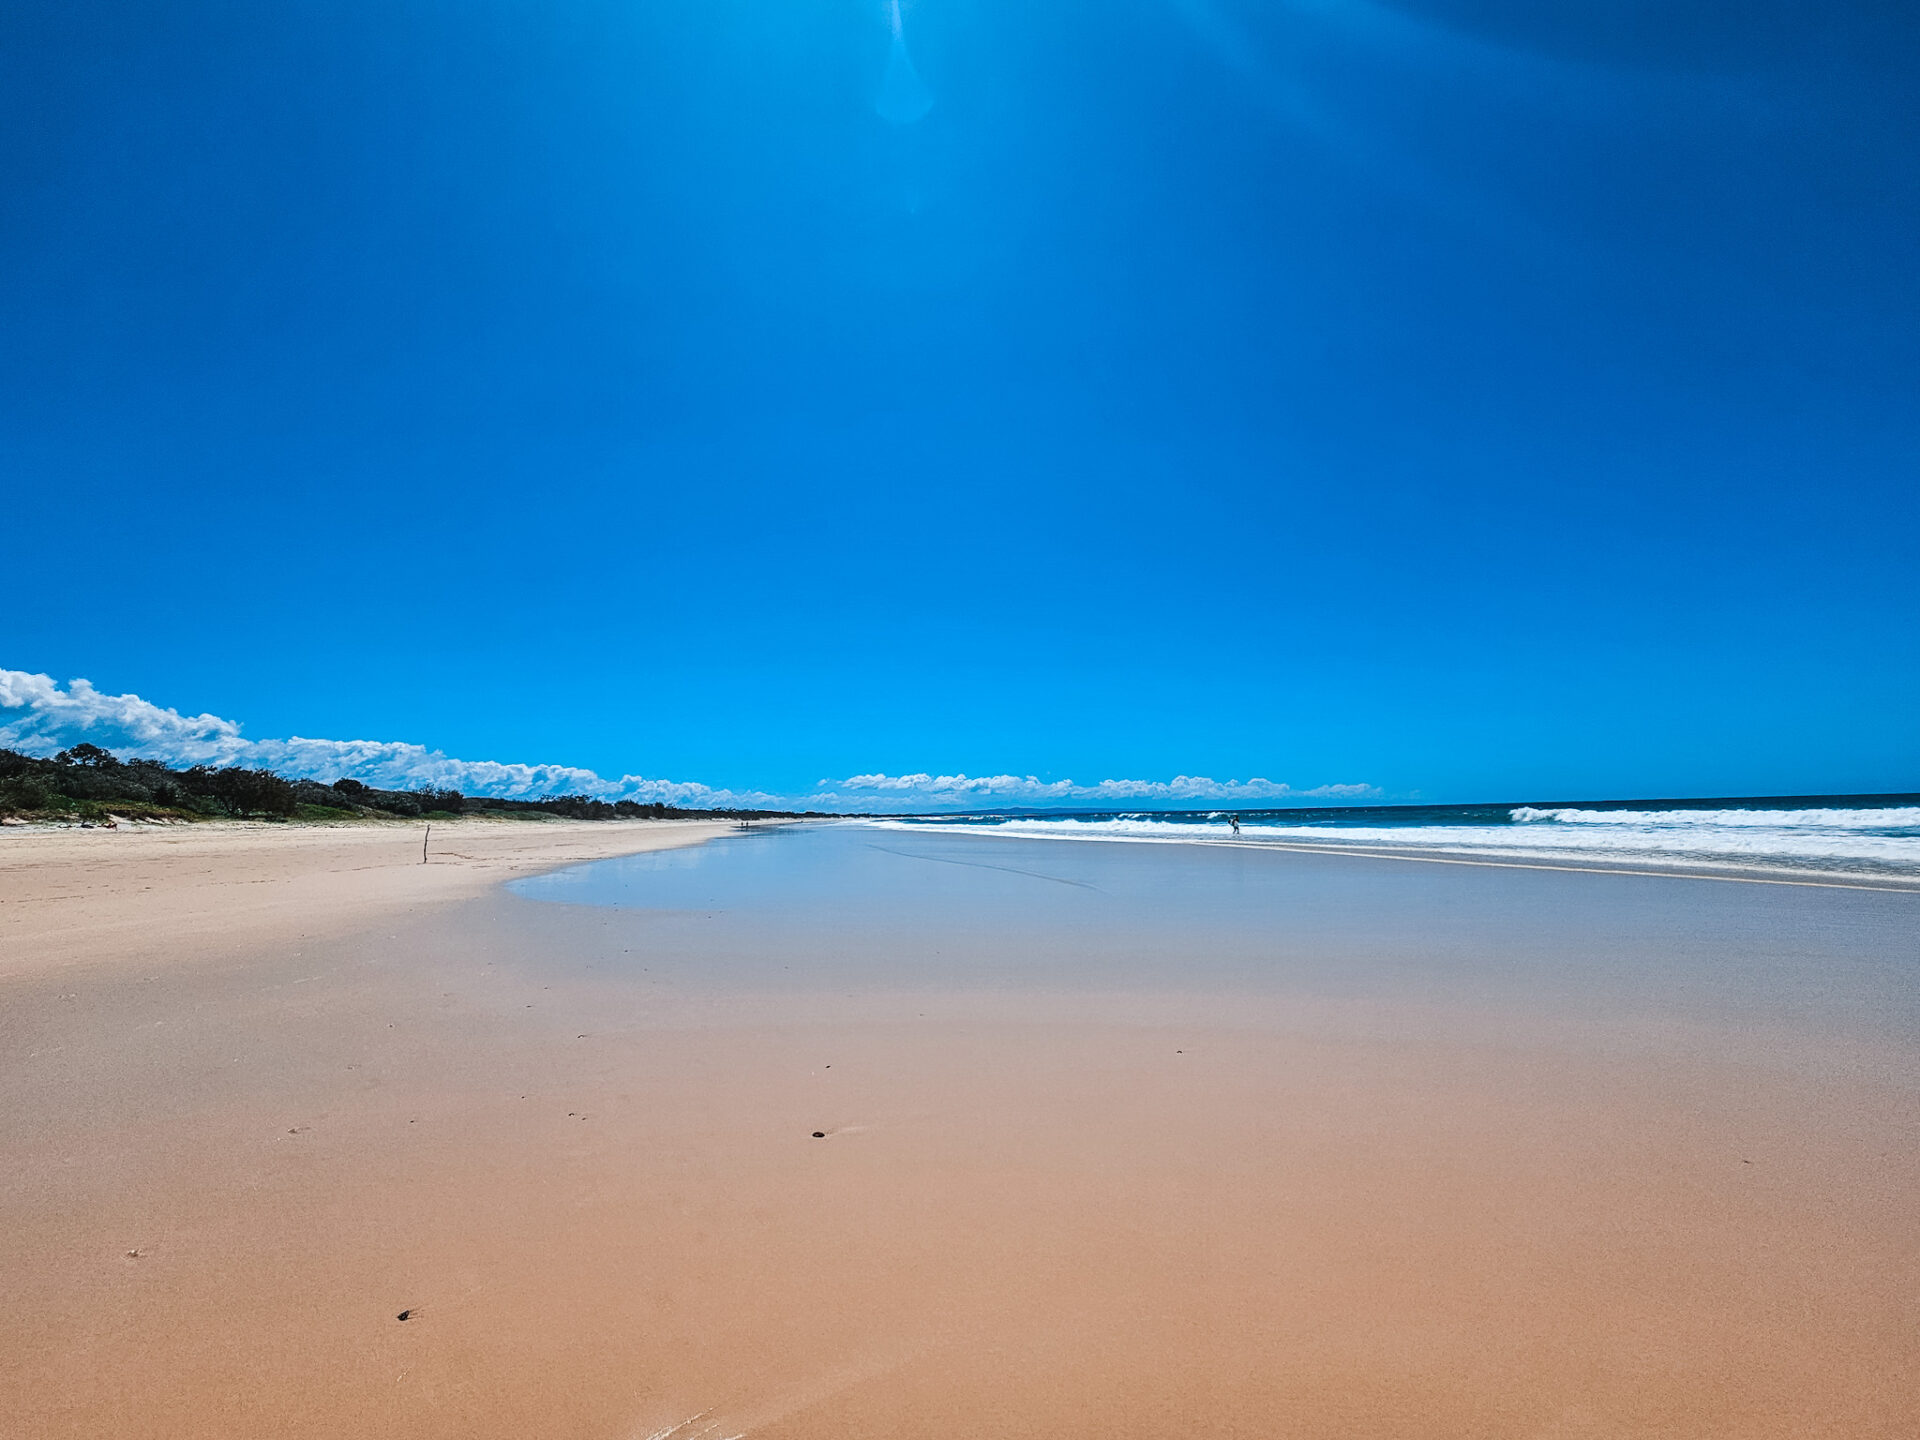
{"x":1832,"y":838}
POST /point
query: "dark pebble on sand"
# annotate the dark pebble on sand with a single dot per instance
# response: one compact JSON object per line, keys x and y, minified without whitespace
{"x":404,"y":1315}
{"x":819,"y":1134}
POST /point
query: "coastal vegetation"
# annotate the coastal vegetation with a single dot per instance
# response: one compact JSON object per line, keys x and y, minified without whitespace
{"x":87,"y":782}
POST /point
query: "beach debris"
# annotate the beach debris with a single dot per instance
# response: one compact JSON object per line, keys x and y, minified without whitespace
{"x":404,"y":1315}
{"x":135,"y":1253}
{"x":819,"y":1134}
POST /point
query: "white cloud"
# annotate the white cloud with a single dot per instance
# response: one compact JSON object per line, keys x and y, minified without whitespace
{"x":52,"y":718}
{"x":963,"y":787}
{"x":985,"y":791}
{"x":38,"y":717}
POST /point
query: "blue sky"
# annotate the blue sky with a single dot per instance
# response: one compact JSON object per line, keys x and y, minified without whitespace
{"x":1464,"y":398}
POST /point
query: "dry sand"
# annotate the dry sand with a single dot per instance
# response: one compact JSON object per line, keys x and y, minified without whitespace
{"x":189,"y":892}
{"x":265,"y":1090}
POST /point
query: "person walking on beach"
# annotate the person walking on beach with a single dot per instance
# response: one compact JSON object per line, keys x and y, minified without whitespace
{"x":1234,"y":821}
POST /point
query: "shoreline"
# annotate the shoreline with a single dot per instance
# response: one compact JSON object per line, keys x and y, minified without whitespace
{"x":1645,"y":864}
{"x":311,"y":1140}
{"x":1524,"y":860}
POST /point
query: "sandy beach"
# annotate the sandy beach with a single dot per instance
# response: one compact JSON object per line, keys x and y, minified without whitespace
{"x":818,"y":1170}
{"x":179,"y":893}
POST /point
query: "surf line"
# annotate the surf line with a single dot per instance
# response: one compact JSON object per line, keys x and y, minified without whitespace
{"x":1564,"y":869}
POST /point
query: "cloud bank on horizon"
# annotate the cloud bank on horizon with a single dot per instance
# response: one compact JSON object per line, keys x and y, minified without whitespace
{"x":974,"y":791}
{"x":39,"y":717}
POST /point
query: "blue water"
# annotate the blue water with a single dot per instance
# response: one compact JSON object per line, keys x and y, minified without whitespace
{"x":1835,"y":838}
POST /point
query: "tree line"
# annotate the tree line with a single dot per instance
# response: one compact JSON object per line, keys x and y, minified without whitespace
{"x":89,"y":782}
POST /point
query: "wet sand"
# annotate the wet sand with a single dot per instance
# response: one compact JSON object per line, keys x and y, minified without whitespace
{"x":1417,"y":1180}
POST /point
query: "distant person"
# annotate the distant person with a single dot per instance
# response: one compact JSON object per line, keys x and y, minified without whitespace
{"x":1234,"y":821}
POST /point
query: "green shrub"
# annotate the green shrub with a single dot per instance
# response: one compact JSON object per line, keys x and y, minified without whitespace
{"x":22,"y":793}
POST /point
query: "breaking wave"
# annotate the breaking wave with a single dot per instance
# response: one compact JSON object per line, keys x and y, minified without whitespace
{"x":1882,"y":842}
{"x":1895,"y":819}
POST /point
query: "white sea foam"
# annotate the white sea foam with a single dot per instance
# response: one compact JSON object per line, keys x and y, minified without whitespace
{"x":1906,"y":817}
{"x":1879,"y":842}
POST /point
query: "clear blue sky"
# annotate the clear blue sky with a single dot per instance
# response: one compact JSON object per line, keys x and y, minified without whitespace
{"x":1473,"y":398}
